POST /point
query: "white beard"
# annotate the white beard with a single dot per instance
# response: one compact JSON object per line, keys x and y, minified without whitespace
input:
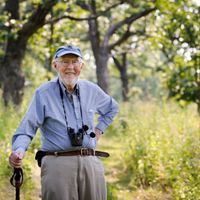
{"x":69,"y":83}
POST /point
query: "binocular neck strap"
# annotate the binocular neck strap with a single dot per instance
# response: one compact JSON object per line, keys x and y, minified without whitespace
{"x":62,"y":99}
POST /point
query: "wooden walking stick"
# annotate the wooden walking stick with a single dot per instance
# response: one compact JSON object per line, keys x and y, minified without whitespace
{"x":16,"y":180}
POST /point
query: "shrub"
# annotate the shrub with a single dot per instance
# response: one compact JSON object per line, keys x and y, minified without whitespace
{"x":163,"y":148}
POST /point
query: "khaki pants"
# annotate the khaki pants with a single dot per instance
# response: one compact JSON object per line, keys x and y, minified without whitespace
{"x":72,"y":178}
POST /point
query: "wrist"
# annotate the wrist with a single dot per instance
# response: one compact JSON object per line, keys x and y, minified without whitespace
{"x":98,"y":131}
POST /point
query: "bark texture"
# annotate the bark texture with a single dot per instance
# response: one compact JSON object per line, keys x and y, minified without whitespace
{"x":12,"y":77}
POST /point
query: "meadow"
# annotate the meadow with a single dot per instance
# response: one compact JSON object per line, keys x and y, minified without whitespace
{"x":154,"y":148}
{"x":156,"y":152}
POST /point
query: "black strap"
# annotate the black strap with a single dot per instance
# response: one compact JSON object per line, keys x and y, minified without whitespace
{"x":62,"y":99}
{"x":61,"y":96}
{"x":17,"y":180}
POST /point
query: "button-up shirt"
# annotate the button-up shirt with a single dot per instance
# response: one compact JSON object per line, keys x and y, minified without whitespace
{"x":46,"y":113}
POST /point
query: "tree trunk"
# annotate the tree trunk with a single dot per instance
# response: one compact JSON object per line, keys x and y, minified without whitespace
{"x":102,"y":69}
{"x":124,"y":78}
{"x":100,"y":52}
{"x":50,"y":44}
{"x":101,"y":43}
{"x":12,"y":7}
{"x":12,"y":76}
{"x":123,"y":75}
{"x":198,"y":108}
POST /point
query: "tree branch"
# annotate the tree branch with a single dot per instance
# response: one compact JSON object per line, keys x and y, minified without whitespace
{"x":37,"y":19}
{"x":117,"y":63}
{"x":124,"y":37}
{"x":93,"y":32}
{"x":127,"y":20}
{"x":71,"y":18}
{"x":85,"y":7}
{"x":13,"y":8}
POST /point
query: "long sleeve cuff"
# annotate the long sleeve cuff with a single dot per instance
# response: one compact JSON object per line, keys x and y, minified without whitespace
{"x":101,"y":126}
{"x":20,"y":149}
{"x":21,"y":142}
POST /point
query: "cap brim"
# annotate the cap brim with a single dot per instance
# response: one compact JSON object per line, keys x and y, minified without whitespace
{"x":67,"y":52}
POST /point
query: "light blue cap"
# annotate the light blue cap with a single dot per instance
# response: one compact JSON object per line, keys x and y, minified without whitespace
{"x":68,"y":49}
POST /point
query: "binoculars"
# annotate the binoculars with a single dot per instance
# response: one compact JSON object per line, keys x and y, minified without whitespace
{"x":77,"y":138}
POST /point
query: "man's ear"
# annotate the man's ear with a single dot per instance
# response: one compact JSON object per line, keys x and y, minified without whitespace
{"x":82,"y":65}
{"x":54,"y":65}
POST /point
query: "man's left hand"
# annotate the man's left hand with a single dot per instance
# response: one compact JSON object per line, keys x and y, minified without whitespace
{"x":98,"y":133}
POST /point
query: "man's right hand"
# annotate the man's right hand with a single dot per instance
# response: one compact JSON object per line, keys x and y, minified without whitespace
{"x":15,"y":159}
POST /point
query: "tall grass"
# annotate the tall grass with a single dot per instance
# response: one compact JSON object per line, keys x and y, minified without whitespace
{"x":162,"y":148}
{"x":10,"y":118}
{"x":158,"y":144}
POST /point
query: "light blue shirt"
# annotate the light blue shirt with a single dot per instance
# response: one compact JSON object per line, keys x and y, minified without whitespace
{"x":46,"y":113}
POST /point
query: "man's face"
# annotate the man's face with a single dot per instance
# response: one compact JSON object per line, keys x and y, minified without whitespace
{"x":69,"y":68}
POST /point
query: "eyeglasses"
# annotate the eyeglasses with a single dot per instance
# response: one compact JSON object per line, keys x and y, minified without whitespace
{"x":67,"y":62}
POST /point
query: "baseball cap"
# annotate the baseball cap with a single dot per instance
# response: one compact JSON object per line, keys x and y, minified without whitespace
{"x":68,"y":49}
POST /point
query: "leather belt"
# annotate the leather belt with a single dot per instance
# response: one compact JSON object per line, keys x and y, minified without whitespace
{"x":79,"y":152}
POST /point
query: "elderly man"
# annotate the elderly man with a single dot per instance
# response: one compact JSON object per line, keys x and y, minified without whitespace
{"x":63,"y":109}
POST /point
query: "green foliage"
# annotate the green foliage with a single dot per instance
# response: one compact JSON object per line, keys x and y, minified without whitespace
{"x":158,"y":148}
{"x":162,"y":148}
{"x":160,"y":142}
{"x":111,"y":192}
{"x":10,"y":119}
{"x":6,"y":172}
{"x":183,"y":85}
{"x":177,"y":28}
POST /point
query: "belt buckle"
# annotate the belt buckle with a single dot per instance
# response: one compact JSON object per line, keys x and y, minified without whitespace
{"x":93,"y":152}
{"x":87,"y":152}
{"x":84,"y":151}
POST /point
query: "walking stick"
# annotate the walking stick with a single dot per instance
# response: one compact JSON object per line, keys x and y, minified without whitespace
{"x":16,"y":180}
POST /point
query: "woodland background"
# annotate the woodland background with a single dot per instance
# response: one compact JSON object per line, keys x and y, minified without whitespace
{"x":145,"y":54}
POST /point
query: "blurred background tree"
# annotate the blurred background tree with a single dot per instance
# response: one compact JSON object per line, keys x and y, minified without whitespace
{"x":145,"y":53}
{"x":177,"y":36}
{"x":17,"y":30}
{"x":153,"y":44}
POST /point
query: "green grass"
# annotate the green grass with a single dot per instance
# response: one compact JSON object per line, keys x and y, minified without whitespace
{"x":154,"y":148}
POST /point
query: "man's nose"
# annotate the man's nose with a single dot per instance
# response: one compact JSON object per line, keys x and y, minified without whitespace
{"x":70,"y":65}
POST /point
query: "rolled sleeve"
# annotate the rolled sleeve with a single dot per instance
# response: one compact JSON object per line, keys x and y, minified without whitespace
{"x":107,"y":108}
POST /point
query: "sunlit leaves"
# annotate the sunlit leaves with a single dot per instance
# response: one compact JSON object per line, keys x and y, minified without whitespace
{"x":177,"y":26}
